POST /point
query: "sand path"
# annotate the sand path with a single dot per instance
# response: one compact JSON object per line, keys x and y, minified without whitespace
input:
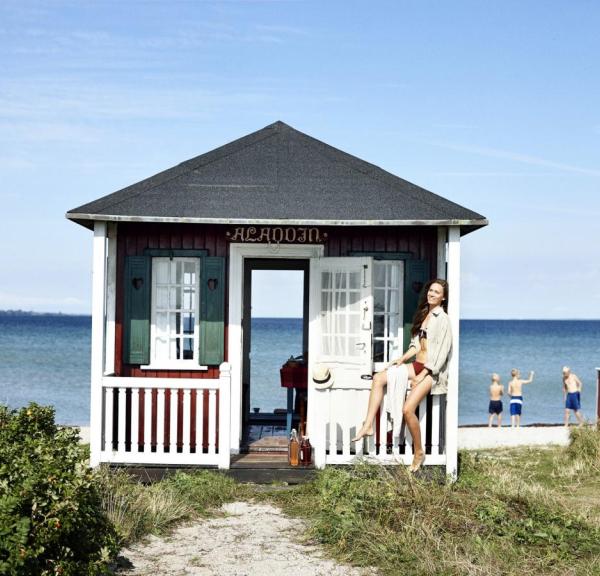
{"x":248,"y":540}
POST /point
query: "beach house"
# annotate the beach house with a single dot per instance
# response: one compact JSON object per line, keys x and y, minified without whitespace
{"x":173,"y":257}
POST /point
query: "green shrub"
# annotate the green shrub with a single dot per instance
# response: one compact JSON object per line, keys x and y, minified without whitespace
{"x":584,"y":446}
{"x":51,"y":521}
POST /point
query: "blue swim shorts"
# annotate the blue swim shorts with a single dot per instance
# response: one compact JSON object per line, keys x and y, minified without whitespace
{"x":516,"y":403}
{"x":573,"y":401}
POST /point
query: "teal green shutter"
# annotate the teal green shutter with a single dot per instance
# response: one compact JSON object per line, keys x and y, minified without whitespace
{"x":136,"y":323}
{"x":416,"y":275}
{"x":212,"y":311}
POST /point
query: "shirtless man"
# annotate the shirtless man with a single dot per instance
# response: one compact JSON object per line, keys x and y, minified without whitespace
{"x":572,"y":393}
{"x":515,"y":391}
{"x":496,"y":392}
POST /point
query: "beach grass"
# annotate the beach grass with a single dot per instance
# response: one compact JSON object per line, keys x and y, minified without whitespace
{"x":137,"y":510}
{"x":510,"y":512}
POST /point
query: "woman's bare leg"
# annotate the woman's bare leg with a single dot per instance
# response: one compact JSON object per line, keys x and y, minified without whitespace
{"x":417,"y":394}
{"x":375,"y":398}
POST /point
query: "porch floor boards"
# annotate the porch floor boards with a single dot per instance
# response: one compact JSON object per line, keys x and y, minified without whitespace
{"x":266,"y":467}
{"x":265,"y":438}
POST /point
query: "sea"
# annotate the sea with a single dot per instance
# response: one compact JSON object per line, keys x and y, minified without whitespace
{"x":46,"y":359}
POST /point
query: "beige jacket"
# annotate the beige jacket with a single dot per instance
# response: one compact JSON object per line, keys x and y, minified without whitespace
{"x":439,"y":349}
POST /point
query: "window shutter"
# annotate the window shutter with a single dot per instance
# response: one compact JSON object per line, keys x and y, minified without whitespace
{"x":212,"y":314}
{"x":136,"y":323}
{"x":416,"y":274}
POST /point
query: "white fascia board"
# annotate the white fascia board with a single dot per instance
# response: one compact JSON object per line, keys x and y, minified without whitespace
{"x":274,"y":221}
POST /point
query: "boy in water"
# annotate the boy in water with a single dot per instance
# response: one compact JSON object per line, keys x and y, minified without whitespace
{"x":496,"y":392}
{"x":515,"y":391}
{"x":572,"y":393}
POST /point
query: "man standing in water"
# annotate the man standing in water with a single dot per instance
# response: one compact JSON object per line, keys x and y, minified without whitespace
{"x":515,"y":390}
{"x":572,"y":392}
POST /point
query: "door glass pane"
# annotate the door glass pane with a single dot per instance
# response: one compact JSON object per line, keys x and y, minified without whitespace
{"x":378,"y":351}
{"x":353,"y":349}
{"x":354,"y":280}
{"x":340,"y":280}
{"x":340,"y":346}
{"x":340,"y":324}
{"x":378,"y":325}
{"x":393,"y":323}
{"x":162,"y":323}
{"x":393,"y":301}
{"x":188,"y":323}
{"x":326,"y":301}
{"x":378,"y":297}
{"x":354,"y":300}
{"x":340,"y":300}
{"x":326,"y":280}
{"x":379,"y":270}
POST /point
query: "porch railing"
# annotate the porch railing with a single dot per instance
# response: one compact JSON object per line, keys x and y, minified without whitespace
{"x":166,"y":421}
{"x":340,"y":413}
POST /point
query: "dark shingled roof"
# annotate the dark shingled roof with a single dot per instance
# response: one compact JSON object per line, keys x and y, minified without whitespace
{"x":280,"y":176}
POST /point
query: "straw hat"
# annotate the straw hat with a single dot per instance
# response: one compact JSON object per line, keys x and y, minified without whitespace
{"x":322,"y":377}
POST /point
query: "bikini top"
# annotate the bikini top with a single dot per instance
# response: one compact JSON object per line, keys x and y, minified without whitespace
{"x":422,"y":334}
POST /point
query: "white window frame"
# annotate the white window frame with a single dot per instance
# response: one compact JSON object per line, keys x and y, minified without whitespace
{"x":183,"y":364}
{"x":398,"y":339}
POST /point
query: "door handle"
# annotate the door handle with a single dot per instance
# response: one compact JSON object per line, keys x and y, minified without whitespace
{"x":361,"y":345}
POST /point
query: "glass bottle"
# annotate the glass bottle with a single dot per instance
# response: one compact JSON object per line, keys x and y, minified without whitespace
{"x":294,"y":449}
{"x":306,"y":452}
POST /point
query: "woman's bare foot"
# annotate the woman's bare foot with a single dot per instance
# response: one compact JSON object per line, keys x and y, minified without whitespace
{"x":364,"y":431}
{"x":417,"y":462}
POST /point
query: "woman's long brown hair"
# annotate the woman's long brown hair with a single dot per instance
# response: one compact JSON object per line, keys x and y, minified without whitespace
{"x":423,"y":307}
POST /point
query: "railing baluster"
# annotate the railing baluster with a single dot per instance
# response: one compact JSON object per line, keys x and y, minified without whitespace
{"x":160,"y":421}
{"x":199,"y":421}
{"x":186,"y":433}
{"x":108,"y":419}
{"x":147,"y":421}
{"x":121,"y":419}
{"x":135,"y":419}
{"x":173,"y":421}
{"x":212,"y":421}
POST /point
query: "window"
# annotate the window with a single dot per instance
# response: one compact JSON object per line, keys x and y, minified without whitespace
{"x":174,"y":311}
{"x":387,"y":315}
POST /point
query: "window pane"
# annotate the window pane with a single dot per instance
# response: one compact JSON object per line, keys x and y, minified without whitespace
{"x":179,"y":272}
{"x":354,"y":283}
{"x":379,"y":303}
{"x":378,"y":351}
{"x":188,"y":349}
{"x":340,"y":346}
{"x":162,"y":323}
{"x":188,"y":323}
{"x":161,"y":349}
{"x":393,"y":301}
{"x":326,"y":280}
{"x":189,"y":276}
{"x":188,"y":299}
{"x":340,"y":324}
{"x":161,"y":268}
{"x":174,"y":349}
{"x":378,"y":326}
{"x":393,"y":324}
{"x":379,"y":275}
{"x":394,"y":276}
{"x":162,"y":297}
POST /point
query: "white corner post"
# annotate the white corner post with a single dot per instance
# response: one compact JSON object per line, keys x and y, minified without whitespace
{"x":224,"y":415}
{"x":98,"y":339}
{"x":442,"y":239}
{"x":453,"y":278}
{"x":111,"y":298}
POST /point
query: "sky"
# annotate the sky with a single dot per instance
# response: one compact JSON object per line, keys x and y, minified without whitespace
{"x":493,"y":105}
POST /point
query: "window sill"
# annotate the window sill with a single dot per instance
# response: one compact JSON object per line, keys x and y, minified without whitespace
{"x":176,"y":366}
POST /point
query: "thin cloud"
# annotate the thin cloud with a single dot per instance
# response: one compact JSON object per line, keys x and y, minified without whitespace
{"x":515,"y":157}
